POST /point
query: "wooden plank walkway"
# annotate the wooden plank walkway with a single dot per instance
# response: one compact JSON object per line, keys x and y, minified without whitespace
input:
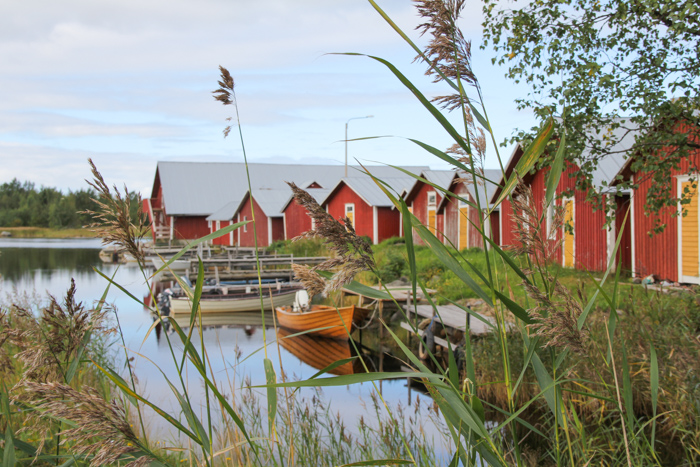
{"x":400,"y":294}
{"x":453,"y":317}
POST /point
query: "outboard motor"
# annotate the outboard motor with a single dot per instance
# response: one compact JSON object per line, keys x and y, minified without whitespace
{"x":164,"y":302}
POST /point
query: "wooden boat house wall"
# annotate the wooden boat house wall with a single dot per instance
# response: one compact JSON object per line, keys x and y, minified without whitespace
{"x":460,"y":219}
{"x":673,"y":254}
{"x":183,"y":195}
{"x":423,"y":200}
{"x":367,"y":206}
{"x":186,"y":194}
{"x":587,"y":242}
{"x":296,"y":219}
{"x":270,"y":196}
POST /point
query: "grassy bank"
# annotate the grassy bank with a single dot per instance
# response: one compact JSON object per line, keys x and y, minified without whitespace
{"x":45,"y":232}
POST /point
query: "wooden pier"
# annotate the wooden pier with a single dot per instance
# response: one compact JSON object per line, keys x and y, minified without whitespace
{"x":452,"y":317}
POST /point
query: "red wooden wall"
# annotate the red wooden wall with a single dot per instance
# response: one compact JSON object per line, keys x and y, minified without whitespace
{"x":658,"y":254}
{"x":246,"y":232}
{"x":363,"y":211}
{"x":419,"y":202}
{"x":190,"y":227}
{"x":389,"y":221}
{"x":590,"y":236}
{"x":451,"y":214}
{"x":296,"y":219}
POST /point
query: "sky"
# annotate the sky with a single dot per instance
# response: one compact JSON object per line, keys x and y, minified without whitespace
{"x":128,"y":83}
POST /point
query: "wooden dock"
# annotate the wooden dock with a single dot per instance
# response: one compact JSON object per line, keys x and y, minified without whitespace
{"x":453,"y":317}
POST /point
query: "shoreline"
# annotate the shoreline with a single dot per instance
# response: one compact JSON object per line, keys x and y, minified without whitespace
{"x":46,"y":232}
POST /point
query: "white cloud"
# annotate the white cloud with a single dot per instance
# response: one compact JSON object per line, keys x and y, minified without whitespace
{"x":129,"y":82}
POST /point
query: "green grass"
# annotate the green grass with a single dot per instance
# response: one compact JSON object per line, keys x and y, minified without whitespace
{"x":45,"y":232}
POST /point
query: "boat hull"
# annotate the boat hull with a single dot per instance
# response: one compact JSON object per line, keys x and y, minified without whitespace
{"x":326,"y":321}
{"x":232,"y":303}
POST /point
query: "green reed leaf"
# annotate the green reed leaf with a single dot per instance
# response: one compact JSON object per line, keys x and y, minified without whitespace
{"x":530,"y":156}
{"x":345,"y":380}
{"x":380,"y":462}
{"x":8,"y":458}
{"x":192,"y":419}
{"x":124,"y":387}
{"x":444,"y":255}
{"x":555,"y":172}
{"x":361,"y":289}
{"x":654,"y":382}
{"x":271,"y":379}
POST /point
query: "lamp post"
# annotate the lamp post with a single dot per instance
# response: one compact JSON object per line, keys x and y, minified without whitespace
{"x":346,"y":140}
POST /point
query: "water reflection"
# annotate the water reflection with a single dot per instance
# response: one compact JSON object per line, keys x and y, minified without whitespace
{"x":234,"y":341}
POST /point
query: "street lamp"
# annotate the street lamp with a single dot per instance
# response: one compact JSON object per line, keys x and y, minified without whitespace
{"x":346,"y":140}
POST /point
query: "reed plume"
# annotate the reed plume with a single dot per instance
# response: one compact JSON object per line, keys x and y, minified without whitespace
{"x":448,"y":52}
{"x":48,"y":345}
{"x":99,"y":429}
{"x":353,"y":253}
{"x":112,"y":221}
{"x":556,"y":311}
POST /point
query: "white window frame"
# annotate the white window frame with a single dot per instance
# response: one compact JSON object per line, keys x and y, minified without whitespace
{"x":245,"y":226}
{"x":354,"y":213}
{"x":434,"y":202}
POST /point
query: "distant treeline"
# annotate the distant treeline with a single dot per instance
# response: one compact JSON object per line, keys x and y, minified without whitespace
{"x":24,"y":205}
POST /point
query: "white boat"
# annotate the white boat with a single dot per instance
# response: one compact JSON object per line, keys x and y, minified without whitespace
{"x":247,"y":299}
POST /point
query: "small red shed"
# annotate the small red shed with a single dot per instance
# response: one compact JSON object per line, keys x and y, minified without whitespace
{"x":673,"y":254}
{"x":460,"y":218}
{"x":587,"y":241}
{"x":424,"y":198}
{"x":372,"y":213}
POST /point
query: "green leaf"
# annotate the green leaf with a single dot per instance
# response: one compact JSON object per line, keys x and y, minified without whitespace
{"x":380,"y":462}
{"x":528,"y":159}
{"x":518,"y":311}
{"x":9,"y":459}
{"x":361,"y":289}
{"x":654,"y":381}
{"x":555,"y":172}
{"x":192,"y":419}
{"x":124,"y":387}
{"x":345,"y":380}
{"x":434,"y":111}
{"x":271,"y":379}
{"x":444,"y":255}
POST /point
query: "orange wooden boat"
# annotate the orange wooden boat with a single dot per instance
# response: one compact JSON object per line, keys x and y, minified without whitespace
{"x":318,"y":352}
{"x":327,"y":321}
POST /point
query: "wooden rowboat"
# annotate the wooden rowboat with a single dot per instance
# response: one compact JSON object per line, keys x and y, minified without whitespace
{"x":235,"y":302}
{"x":328,"y":321}
{"x":318,"y":352}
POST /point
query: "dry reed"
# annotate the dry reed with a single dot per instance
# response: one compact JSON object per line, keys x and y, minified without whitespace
{"x":113,"y":220}
{"x":353,"y":254}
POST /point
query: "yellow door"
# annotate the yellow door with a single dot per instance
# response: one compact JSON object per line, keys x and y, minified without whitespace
{"x":690,"y":266}
{"x":568,"y":233}
{"x":463,"y":226}
{"x":432,"y":221}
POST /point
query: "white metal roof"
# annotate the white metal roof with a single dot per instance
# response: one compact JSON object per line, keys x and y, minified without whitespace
{"x":203,"y":188}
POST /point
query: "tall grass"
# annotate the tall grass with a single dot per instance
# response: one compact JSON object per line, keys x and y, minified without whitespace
{"x":564,"y":378}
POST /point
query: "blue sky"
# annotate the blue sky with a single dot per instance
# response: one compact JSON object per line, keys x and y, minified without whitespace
{"x":129,"y":83}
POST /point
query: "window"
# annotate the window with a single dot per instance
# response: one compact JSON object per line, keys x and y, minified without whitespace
{"x":350,"y":213}
{"x":432,"y":198}
{"x":245,"y":226}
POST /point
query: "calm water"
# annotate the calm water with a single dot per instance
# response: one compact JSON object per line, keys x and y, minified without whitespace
{"x":46,"y":266}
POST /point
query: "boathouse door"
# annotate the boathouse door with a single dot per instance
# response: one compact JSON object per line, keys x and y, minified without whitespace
{"x":689,"y":253}
{"x":569,"y":247}
{"x":463,"y":225}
